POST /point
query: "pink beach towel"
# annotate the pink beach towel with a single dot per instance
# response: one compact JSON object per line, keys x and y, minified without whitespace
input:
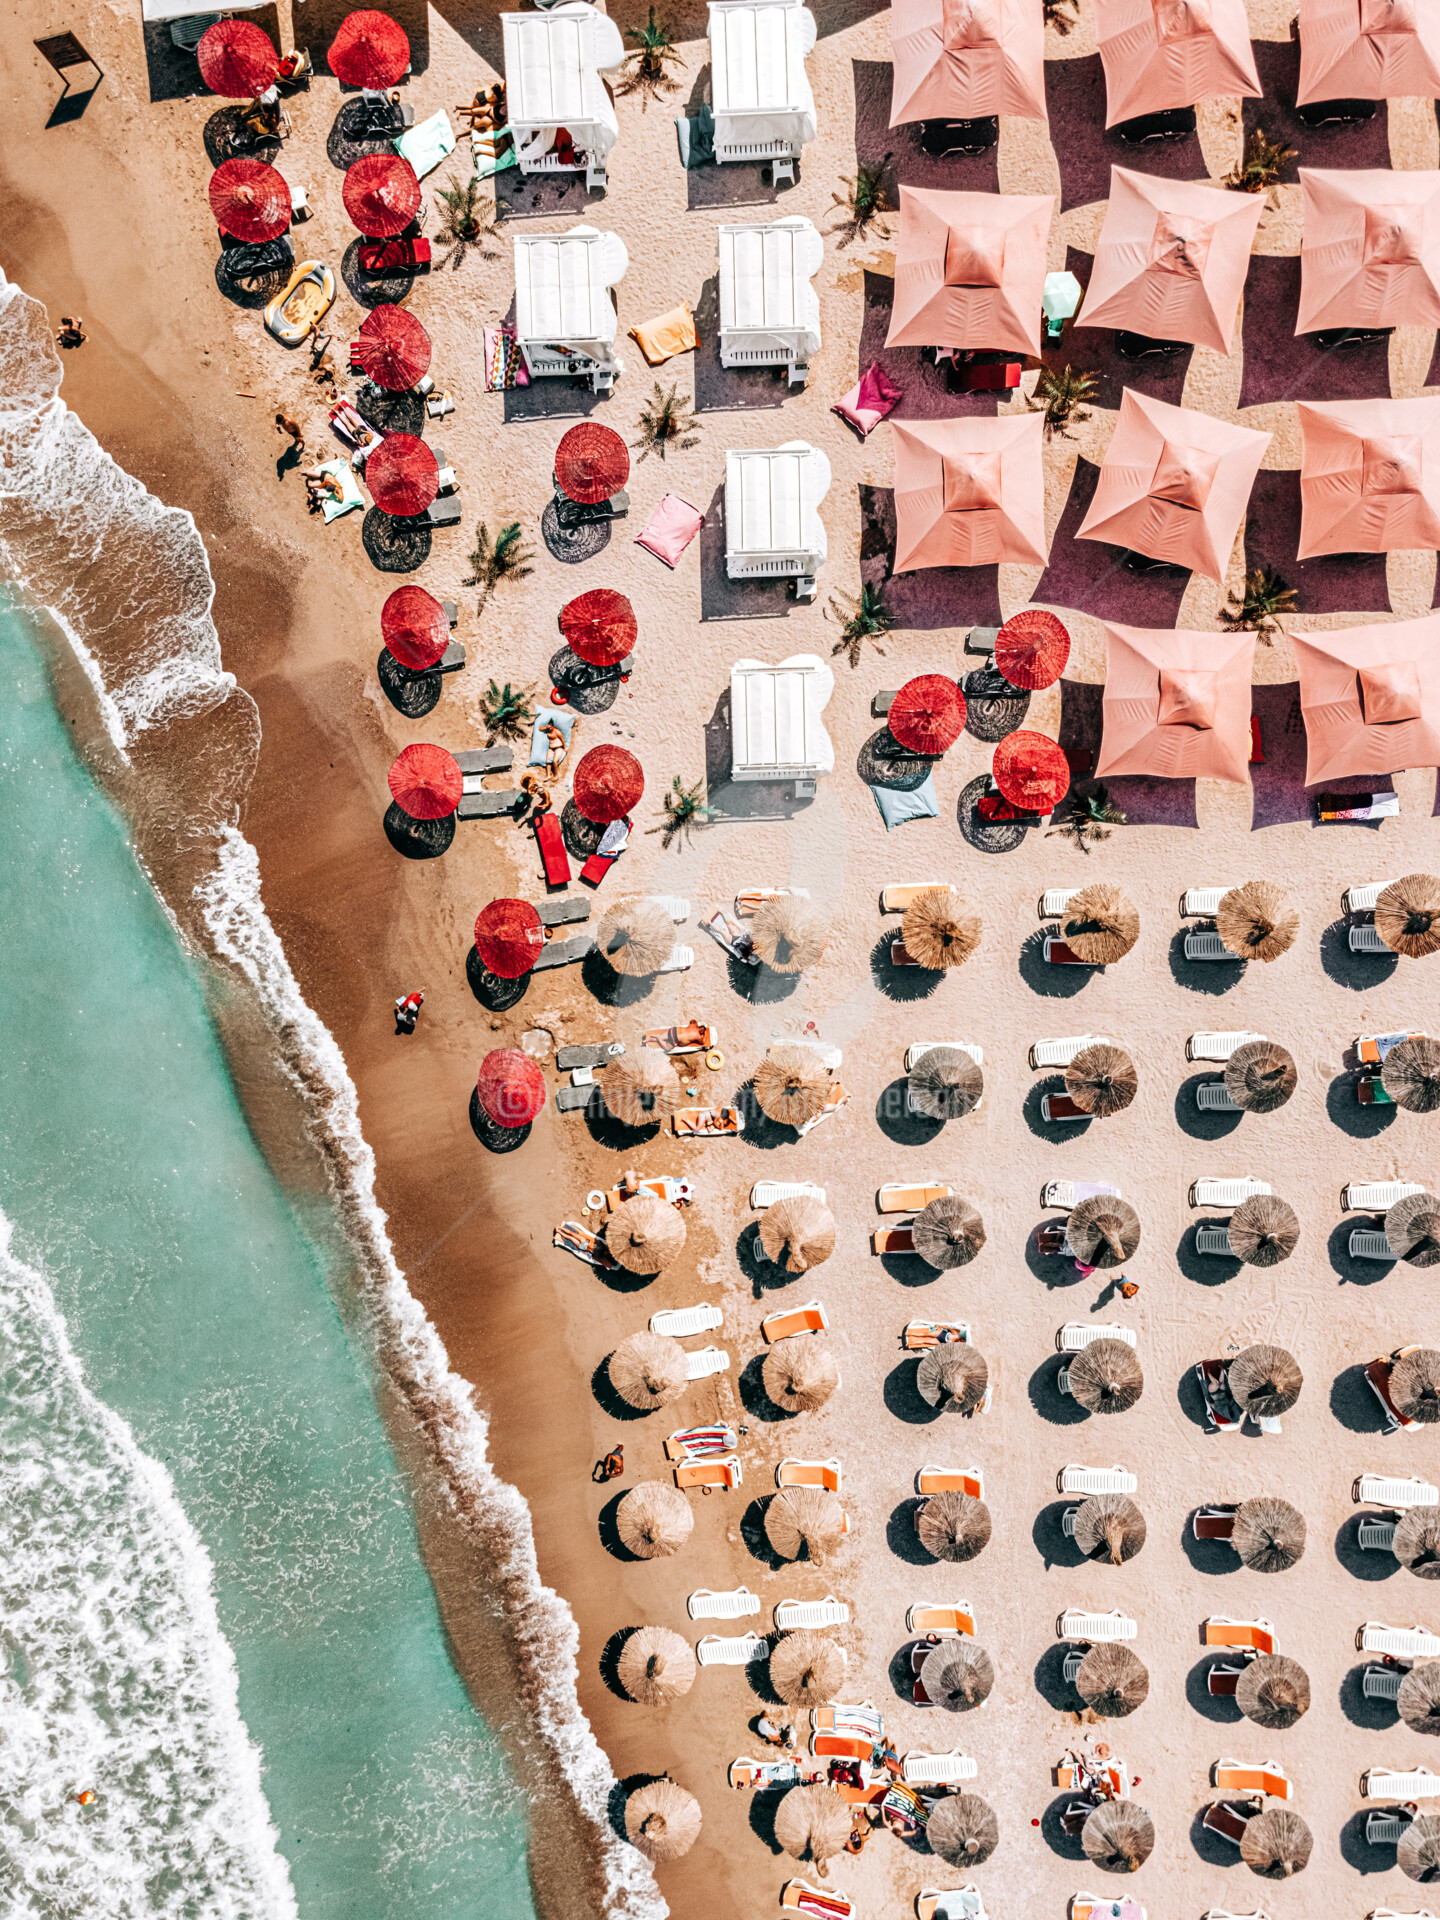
{"x":504,"y":362}
{"x":670,"y":529}
{"x":868,"y":401}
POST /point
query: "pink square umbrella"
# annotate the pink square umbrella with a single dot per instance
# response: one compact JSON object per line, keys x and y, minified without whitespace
{"x":970,"y":269}
{"x":1162,"y":54}
{"x":1370,"y":255}
{"x":1172,"y":259}
{"x":1370,"y":697}
{"x":1177,"y":705}
{"x":1370,"y":476}
{"x":967,"y":59}
{"x":1368,"y":50}
{"x":1174,"y":484}
{"x":969,"y":492}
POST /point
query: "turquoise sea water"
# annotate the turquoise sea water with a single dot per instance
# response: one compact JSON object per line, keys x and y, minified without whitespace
{"x":198,"y":1305}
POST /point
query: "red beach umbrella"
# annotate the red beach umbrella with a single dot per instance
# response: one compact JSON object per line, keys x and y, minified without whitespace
{"x":1031,"y":649}
{"x":426,"y":782}
{"x":927,"y":715}
{"x":592,"y":463}
{"x":237,"y":59}
{"x":381,"y":195}
{"x":608,"y":783}
{"x":394,"y":348}
{"x":369,"y":50}
{"x":511,"y":1087}
{"x":402,"y":474}
{"x":509,"y":937}
{"x":414,"y":628}
{"x":1031,"y":771}
{"x":600,"y":626}
{"x":250,"y":200}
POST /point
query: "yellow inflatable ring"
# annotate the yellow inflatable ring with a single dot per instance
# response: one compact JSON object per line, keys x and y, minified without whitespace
{"x":714,"y":1059}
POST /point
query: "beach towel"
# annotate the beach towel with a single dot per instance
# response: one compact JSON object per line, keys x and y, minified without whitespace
{"x":539,"y":745}
{"x":616,"y":837}
{"x":350,"y":494}
{"x":493,"y":152}
{"x":703,"y":1443}
{"x":670,"y":529}
{"x":665,"y":336}
{"x":896,"y":807}
{"x":696,"y":138}
{"x":504,"y":363}
{"x":868,"y":401}
{"x":426,"y":146}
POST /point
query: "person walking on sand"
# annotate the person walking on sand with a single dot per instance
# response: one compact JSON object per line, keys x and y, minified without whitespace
{"x":407,"y":1011}
{"x":611,"y":1467}
{"x":285,"y":425}
{"x":71,"y":331}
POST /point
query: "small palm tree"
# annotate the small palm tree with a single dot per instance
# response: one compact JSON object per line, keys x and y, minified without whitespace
{"x":1061,"y":397}
{"x":685,"y":808}
{"x":866,"y":201}
{"x":666,"y":421}
{"x":1260,"y":166}
{"x":503,"y":558}
{"x":647,"y":75}
{"x":1257,"y":610}
{"x":1063,"y":15}
{"x":865,"y":618}
{"x":506,"y":711}
{"x":1090,"y":819}
{"x":464,"y":225}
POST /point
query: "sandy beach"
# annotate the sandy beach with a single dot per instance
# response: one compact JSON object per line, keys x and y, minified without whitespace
{"x":107,"y":217}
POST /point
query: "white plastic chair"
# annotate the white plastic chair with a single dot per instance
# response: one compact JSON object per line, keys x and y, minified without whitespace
{"x":1059,"y":1053}
{"x":1069,"y":1193}
{"x":917,"y":1052}
{"x":1214,"y":1240}
{"x":939,"y":1769}
{"x":1054,"y":901}
{"x":680,"y":1322}
{"x":1383,"y":1783}
{"x":1385,"y":1829}
{"x":1401,"y":1643}
{"x":680,"y":959}
{"x":1381,"y":1683}
{"x":1225,"y":1193}
{"x":708,"y":1604}
{"x":1364,"y":898}
{"x":1217,"y":1046}
{"x":1207,"y":946}
{"x":677,"y":907}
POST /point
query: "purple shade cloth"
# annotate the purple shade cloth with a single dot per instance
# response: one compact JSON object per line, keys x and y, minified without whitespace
{"x":923,"y":384}
{"x":1087,"y":574}
{"x":1093,"y":350}
{"x":910,"y":165}
{"x":1075,"y":95}
{"x":1143,"y":801}
{"x":868,"y":401}
{"x":1278,"y":64}
{"x":1281,"y":365}
{"x":1432,"y":378}
{"x":933,"y":597}
{"x":1280,"y":796}
{"x":1331,"y":583}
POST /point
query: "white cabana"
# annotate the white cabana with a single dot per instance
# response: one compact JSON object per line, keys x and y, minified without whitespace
{"x":553,"y":64}
{"x":773,"y":528}
{"x":764,"y":109}
{"x":776,"y":732}
{"x":564,"y":317}
{"x":769,"y":312}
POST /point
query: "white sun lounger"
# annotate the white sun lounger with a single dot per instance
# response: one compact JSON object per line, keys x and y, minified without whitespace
{"x":828,"y":1612}
{"x":1069,"y":1193}
{"x":1366,"y":940}
{"x":1075,"y":1624}
{"x":1401,"y":1643}
{"x":677,"y":908}
{"x":1381,"y":1683}
{"x":681,"y":959}
{"x":1212,"y":1096}
{"x":1378,"y":1536}
{"x":1214,"y":1240}
{"x":1364,"y":898}
{"x":765,"y":1193}
{"x":1208,"y":946}
{"x":1201,"y":900}
{"x":939,"y":1769}
{"x":1367,"y":1194}
{"x":708,"y":1604}
{"x":749,"y":900}
{"x":917,"y":1052}
{"x":1389,"y":1913}
{"x":1095,"y":1480}
{"x":1076,"y":1335}
{"x":1383,"y":1783}
{"x":1059,"y":1053}
{"x":1385,"y":1830}
{"x":1054,"y":901}
{"x":1217,"y":1046}
{"x":731,"y":936}
{"x":1093,"y":1906}
{"x":705,"y":1361}
{"x":1382,"y":1491}
{"x":1366,"y":1243}
{"x":720,"y":1650}
{"x":680,"y":1322}
{"x":1226,"y":1193}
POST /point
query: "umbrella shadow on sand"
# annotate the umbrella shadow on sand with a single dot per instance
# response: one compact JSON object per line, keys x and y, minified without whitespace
{"x":903,"y":1398}
{"x":610,"y":988}
{"x":1052,"y":1830}
{"x":495,"y":1139}
{"x":220,"y":134}
{"x":1202,"y":1124}
{"x":1360,"y":1853}
{"x":493,"y":993}
{"x":1376,"y":1715}
{"x":609,"y":1661}
{"x":1050,"y":1682}
{"x":1343,"y":1109}
{"x":376,"y":289}
{"x":1355,"y":1273}
{"x":757,"y":1541}
{"x":608,"y":1526}
{"x":1050,"y":982}
{"x":1212,"y":1849}
{"x":1205,"y":1269}
{"x":1360,"y":972}
{"x":1055,"y":1408}
{"x":1364,"y":1565}
{"x":1209,"y":977}
{"x":610,"y":1402}
{"x":418,"y":839}
{"x":900,"y":984}
{"x":764,"y":1805}
{"x":905,"y":1543}
{"x":620,"y":1793}
{"x":764,"y":1274}
{"x":1054,"y":1546}
{"x":898,"y":1123}
{"x":1217,"y":1707}
{"x":1056,"y":1131}
{"x":753,"y":1397}
{"x":395,"y":543}
{"x":1353,"y":1403}
{"x":413,"y":694}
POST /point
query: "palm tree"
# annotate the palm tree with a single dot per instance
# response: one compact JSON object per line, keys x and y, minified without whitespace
{"x":1062,"y":397}
{"x":866,"y":618}
{"x":664,"y":421}
{"x":1063,"y":15}
{"x":1257,"y":610}
{"x":1260,"y":167}
{"x":463,"y":222}
{"x":503,"y":558}
{"x":684,"y":808}
{"x":1090,"y":819}
{"x":866,"y":201}
{"x":647,"y":76}
{"x":506,"y":711}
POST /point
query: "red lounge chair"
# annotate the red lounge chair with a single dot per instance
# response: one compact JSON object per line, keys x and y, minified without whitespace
{"x":987,"y":379}
{"x":395,"y":256}
{"x":551,"y":843}
{"x":1222,"y":1681}
{"x":596,"y":868}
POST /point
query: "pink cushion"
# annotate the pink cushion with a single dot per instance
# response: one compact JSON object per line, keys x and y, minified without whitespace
{"x":1390,"y":692}
{"x":868,"y":401}
{"x":670,"y":529}
{"x":1187,"y":697}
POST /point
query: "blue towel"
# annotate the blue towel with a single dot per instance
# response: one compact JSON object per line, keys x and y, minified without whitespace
{"x":539,"y":745}
{"x":919,"y":804}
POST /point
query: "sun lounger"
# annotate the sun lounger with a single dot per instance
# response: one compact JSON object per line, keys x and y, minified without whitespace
{"x":770,"y":1774}
{"x":1381,"y":1683}
{"x":1377,"y":1536}
{"x":708,"y":1604}
{"x":892,"y":1240}
{"x":1220,"y":1410}
{"x":678,"y":1040}
{"x":1401,"y":1643}
{"x":829,"y":1474}
{"x":1095,"y":1480}
{"x":1371,"y":1194}
{"x":1069,"y":1193}
{"x":1214,"y":1240}
{"x":948,"y":1618}
{"x":494,"y":804}
{"x":705,"y":1361}
{"x":1058,"y":954}
{"x":1386,"y":1492}
{"x":1225,"y":1193}
{"x":1059,"y":1053}
{"x":1366,"y":940}
{"x":1219,"y":1631}
{"x":1377,"y":1373}
{"x":956,"y":1903}
{"x":560,"y":913}
{"x":1383,"y":1783}
{"x":897,"y":899}
{"x":936,"y":1479}
{"x":1071,"y":1665}
{"x":674,"y":904}
{"x":1228,"y":1822}
{"x":1235,"y":1776}
{"x":831,"y":1055}
{"x":1075,"y":1624}
{"x":574,"y":1238}
{"x":1208,"y":946}
{"x":597,"y":866}
{"x":1371,"y":1093}
{"x":721,"y":1650}
{"x":750,"y":899}
{"x":1363,"y":898}
{"x":1222,"y":1680}
{"x":1386,"y":1830}
{"x":765,"y":1193}
{"x":828,"y":1612}
{"x":1200,"y":901}
{"x":563,"y":953}
{"x":939,"y":1769}
{"x":1368,"y":1244}
{"x":1076,"y":1335}
{"x":598,"y":1055}
{"x":727,"y":1474}
{"x":834,"y":1100}
{"x":1054,"y":901}
{"x":1212,"y":1096}
{"x":922,"y":1334}
{"x":1059,"y":1106}
{"x":900,"y":1198}
{"x":1217,"y":1046}
{"x":731,"y":935}
{"x":1213,"y":1523}
{"x":842,"y":1746}
{"x":551,"y":842}
{"x":1371,"y":1048}
{"x":680,"y":961}
{"x":817,"y":1903}
{"x":807,"y":1319}
{"x":664,"y":1186}
{"x":853,"y":1716}
{"x":707,"y":1123}
{"x":574,"y":1099}
{"x":680,"y":1322}
{"x":701,"y":1443}
{"x":917,"y":1052}
{"x":1102,"y":1906}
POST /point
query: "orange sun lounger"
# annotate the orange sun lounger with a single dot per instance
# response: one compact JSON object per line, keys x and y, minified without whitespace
{"x":926,"y":1618}
{"x":807,"y":1319}
{"x":1233,"y":1776}
{"x":951,"y":1480}
{"x":899,"y":1198}
{"x":1220,"y":1632}
{"x":893,"y":1240}
{"x":728,"y":1474}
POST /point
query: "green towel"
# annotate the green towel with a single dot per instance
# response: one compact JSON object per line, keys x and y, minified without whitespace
{"x":350,"y":487}
{"x":426,"y":146}
{"x":696,"y":137}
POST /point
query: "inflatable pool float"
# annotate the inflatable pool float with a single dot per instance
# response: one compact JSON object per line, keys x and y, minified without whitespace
{"x":305,"y":299}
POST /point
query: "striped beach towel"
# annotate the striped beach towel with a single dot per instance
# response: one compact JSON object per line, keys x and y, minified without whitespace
{"x":504,"y":362}
{"x":704,"y":1443}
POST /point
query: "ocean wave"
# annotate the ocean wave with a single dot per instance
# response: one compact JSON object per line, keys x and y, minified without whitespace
{"x":149,"y":644}
{"x":116,"y":1676}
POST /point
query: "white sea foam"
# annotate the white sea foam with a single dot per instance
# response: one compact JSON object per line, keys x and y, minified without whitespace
{"x":80,"y":511}
{"x":116,"y":1675}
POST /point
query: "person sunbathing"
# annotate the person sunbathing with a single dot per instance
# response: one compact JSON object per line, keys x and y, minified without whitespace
{"x":556,"y":748}
{"x":320,"y":487}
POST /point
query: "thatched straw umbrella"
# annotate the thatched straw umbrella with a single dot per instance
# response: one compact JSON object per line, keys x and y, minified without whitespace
{"x":1111,"y":1521}
{"x":645,"y":1233}
{"x":945,"y":1084}
{"x":1112,"y":1680}
{"x":1101,"y":925}
{"x":656,"y":1666}
{"x":804,"y":1517}
{"x":648,"y":1370}
{"x":1118,"y":1836}
{"x":1418,"y":1852}
{"x":948,"y":1233}
{"x":1276,"y":1844}
{"x":798,"y":1234}
{"x":1269,"y":1534}
{"x":662,"y":1820}
{"x":1265,"y":1381}
{"x":800,"y":1373}
{"x":791,"y":1085}
{"x":957,"y":1675}
{"x":953,"y":1525}
{"x":789,"y":933}
{"x":640,"y":1088}
{"x":1411,"y":1075}
{"x":636,"y":937}
{"x":1412,"y":1226}
{"x":1258,"y":921}
{"x":1103,"y":1231}
{"x":1415,"y":1386}
{"x":963,"y":1830}
{"x":1264,"y":1230}
{"x":1106,"y":1377}
{"x":1407,"y":915}
{"x":953,"y":1377}
{"x":813,"y":1823}
{"x":1102,"y":1080}
{"x":1260,"y":1076}
{"x":807,"y":1669}
{"x":1418,"y":1701}
{"x":1273,"y":1691}
{"x":940,"y":929}
{"x":654,"y":1520}
{"x":1417,"y":1542}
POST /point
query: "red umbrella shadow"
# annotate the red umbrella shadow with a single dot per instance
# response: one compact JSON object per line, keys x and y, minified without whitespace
{"x":418,"y":839}
{"x":495,"y":1138}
